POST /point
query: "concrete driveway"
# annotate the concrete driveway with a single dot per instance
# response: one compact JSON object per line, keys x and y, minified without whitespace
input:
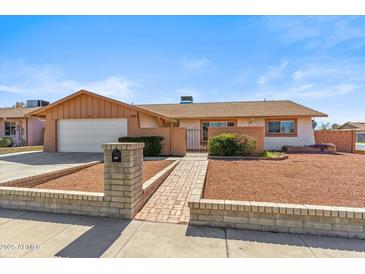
{"x":35,"y":234}
{"x":22,"y":165}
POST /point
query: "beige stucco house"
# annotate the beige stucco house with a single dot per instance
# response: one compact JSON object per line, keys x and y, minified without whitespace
{"x":284,"y":122}
{"x":16,"y":123}
{"x":84,"y":120}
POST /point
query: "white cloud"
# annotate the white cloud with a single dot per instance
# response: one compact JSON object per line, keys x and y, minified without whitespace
{"x":195,"y":63}
{"x":273,"y":72}
{"x":34,"y":80}
{"x":313,"y":79}
{"x":313,"y":91}
{"x":344,"y":31}
{"x":315,"y":32}
{"x":11,"y":89}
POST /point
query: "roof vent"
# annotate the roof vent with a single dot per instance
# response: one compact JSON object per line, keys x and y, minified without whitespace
{"x":186,"y":100}
{"x":36,"y":103}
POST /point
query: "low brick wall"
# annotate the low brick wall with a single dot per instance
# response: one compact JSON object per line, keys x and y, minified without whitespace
{"x":344,"y":140}
{"x":34,"y":180}
{"x":7,"y":150}
{"x":309,"y":149}
{"x":152,"y":184}
{"x":288,"y":218}
{"x":57,"y":201}
{"x":255,"y":132}
{"x":330,"y":221}
{"x":249,"y":158}
{"x":124,"y":191}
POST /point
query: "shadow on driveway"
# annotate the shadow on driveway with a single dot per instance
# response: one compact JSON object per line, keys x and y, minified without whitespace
{"x":91,"y":244}
{"x":278,"y":238}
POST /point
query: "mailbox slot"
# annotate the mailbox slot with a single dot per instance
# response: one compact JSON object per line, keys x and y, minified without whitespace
{"x":116,"y":155}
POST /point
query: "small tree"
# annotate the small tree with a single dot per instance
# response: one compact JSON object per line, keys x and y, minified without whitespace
{"x":325,"y":126}
{"x":335,"y":126}
{"x":314,"y":124}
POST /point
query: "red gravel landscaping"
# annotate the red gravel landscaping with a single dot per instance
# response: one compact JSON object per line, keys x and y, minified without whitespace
{"x":301,"y":179}
{"x":91,"y":179}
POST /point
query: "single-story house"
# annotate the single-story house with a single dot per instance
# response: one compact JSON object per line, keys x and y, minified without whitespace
{"x":359,"y":128}
{"x":284,"y":122}
{"x":84,"y":120}
{"x":15,"y":122}
{"x":353,"y":125}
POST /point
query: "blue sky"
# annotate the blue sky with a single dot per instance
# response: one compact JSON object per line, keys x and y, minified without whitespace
{"x":315,"y":61}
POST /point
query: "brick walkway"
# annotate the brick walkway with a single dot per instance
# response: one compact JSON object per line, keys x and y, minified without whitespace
{"x":170,"y":201}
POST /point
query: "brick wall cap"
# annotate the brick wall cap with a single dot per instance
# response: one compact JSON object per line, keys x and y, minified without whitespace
{"x":123,"y":146}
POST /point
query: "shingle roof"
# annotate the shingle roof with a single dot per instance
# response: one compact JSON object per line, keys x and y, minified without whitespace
{"x":358,"y":125}
{"x":234,"y":109}
{"x":15,"y":112}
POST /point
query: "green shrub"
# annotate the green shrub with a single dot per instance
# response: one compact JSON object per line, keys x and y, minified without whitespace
{"x":6,"y":142}
{"x":272,"y":154}
{"x":229,"y":144}
{"x":247,"y":144}
{"x":152,"y":144}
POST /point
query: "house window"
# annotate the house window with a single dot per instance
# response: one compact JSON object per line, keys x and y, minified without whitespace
{"x":10,"y":128}
{"x":281,"y":127}
{"x":206,"y":125}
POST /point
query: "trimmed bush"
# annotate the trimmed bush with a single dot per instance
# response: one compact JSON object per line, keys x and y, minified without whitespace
{"x":152,"y":144}
{"x":247,"y":145}
{"x":6,"y":142}
{"x":229,"y":144}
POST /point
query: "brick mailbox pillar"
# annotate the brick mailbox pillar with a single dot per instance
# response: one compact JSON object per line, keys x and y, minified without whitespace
{"x":123,"y":171}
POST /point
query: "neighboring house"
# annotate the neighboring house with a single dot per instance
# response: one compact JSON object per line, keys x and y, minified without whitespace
{"x":85,"y":120}
{"x":359,"y":127}
{"x":285,"y":122}
{"x":353,"y":125}
{"x":16,"y":123}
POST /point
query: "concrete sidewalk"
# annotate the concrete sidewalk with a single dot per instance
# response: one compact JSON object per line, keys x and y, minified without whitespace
{"x":32,"y":234}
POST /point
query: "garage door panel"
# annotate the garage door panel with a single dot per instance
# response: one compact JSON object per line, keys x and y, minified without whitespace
{"x":87,"y":135}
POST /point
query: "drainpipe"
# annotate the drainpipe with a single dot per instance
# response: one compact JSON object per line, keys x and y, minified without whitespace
{"x":171,"y":136}
{"x":26,"y":131}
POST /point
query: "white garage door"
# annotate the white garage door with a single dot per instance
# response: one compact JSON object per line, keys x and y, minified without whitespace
{"x":87,"y":135}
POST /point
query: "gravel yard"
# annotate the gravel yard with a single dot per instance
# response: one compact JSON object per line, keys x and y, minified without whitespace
{"x":302,"y":179}
{"x":91,"y":179}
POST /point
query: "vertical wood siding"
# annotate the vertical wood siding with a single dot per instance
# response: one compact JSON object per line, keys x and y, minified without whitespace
{"x":85,"y":107}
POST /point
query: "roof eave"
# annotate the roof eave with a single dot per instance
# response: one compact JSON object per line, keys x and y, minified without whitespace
{"x":40,"y":112}
{"x":248,"y":116}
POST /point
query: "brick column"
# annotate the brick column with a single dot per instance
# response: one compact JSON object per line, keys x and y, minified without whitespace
{"x":123,"y":180}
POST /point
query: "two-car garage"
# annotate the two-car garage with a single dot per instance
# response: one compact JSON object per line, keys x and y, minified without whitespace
{"x":87,"y":135}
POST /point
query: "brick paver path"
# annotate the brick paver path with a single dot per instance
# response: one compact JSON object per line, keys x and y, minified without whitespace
{"x":170,"y":201}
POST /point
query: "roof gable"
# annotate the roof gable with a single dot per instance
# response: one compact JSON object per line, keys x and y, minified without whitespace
{"x":80,"y":92}
{"x":353,"y":125}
